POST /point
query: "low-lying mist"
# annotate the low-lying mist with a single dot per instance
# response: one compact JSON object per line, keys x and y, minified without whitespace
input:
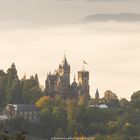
{"x":111,"y":49}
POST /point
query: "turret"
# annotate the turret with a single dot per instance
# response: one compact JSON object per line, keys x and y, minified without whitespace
{"x":83,"y":81}
{"x":74,"y":89}
{"x":97,"y":96}
{"x":64,"y":77}
{"x":64,"y":67}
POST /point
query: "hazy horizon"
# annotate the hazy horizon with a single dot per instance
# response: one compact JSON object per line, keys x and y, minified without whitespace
{"x":35,"y":34}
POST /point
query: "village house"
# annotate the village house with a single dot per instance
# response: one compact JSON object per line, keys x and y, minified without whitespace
{"x":29,"y":112}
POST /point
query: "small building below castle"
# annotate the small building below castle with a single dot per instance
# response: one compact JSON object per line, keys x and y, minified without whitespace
{"x":29,"y":112}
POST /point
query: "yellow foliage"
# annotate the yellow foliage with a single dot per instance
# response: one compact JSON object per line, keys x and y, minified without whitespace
{"x":42,"y":101}
{"x":79,"y":136}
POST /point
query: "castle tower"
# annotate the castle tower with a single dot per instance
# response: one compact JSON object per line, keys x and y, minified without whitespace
{"x":51,"y":85}
{"x":64,"y":69}
{"x":83,"y":82}
{"x":64,"y":75}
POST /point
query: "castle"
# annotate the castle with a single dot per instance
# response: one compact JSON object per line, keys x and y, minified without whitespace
{"x":58,"y":83}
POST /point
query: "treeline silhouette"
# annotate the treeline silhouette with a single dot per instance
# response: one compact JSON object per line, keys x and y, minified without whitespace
{"x":65,"y":118}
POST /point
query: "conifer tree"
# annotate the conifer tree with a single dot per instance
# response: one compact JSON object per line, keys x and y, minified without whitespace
{"x":13,"y":87}
{"x":2,"y":87}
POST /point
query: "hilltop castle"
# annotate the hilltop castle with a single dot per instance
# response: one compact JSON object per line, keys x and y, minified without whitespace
{"x":58,"y":83}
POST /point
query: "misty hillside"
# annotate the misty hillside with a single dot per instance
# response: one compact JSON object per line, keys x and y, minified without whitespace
{"x":112,"y":17}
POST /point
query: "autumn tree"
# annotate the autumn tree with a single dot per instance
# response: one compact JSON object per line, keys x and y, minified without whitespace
{"x":110,"y":99}
{"x":43,"y":101}
{"x":60,"y":115}
{"x":71,"y":109}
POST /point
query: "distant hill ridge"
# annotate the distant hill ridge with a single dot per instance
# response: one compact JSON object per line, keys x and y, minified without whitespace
{"x":112,"y":17}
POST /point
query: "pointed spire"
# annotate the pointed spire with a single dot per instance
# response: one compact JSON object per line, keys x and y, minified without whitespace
{"x":49,"y":72}
{"x":64,"y":62}
{"x":97,"y":94}
{"x":64,"y":56}
{"x":13,"y":66}
{"x":74,"y":78}
{"x":74,"y":84}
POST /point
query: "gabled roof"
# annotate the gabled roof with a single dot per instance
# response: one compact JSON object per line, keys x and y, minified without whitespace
{"x":23,"y":107}
{"x":64,"y":64}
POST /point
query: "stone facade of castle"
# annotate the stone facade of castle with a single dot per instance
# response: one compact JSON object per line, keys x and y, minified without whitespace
{"x":58,"y":83}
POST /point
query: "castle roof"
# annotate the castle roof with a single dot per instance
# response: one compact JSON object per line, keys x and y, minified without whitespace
{"x":64,"y":64}
{"x":74,"y":84}
{"x":22,"y":107}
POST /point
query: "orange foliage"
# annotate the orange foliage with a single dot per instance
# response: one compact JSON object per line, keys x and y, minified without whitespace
{"x":42,"y":101}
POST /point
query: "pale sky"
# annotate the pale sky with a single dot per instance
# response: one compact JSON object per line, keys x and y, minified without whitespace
{"x":35,"y":33}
